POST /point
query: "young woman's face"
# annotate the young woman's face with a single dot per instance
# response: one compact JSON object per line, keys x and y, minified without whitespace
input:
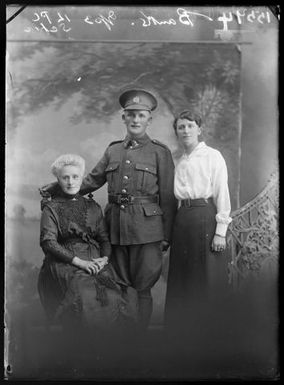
{"x":187,"y":132}
{"x":137,"y":122}
{"x":70,"y":179}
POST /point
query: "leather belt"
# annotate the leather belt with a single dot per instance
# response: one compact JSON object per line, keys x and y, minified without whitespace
{"x":196,"y":202}
{"x":127,"y":199}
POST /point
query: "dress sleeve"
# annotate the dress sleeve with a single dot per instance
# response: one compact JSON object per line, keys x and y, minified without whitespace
{"x":221,"y":194}
{"x":49,"y":237}
{"x":102,"y":236}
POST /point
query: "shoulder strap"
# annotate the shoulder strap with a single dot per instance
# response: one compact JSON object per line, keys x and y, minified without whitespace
{"x":155,"y":141}
{"x":115,"y":142}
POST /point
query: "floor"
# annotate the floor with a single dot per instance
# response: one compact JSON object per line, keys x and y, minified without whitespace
{"x":151,"y":356}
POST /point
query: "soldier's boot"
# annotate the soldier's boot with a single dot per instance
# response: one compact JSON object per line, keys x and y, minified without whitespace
{"x":145,"y":308}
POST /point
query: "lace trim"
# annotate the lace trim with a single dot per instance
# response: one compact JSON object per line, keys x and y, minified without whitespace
{"x":71,"y":211}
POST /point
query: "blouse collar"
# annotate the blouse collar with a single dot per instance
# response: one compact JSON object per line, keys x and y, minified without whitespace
{"x":200,"y":146}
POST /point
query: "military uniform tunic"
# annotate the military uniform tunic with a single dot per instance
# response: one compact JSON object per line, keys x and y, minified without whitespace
{"x":143,"y":167}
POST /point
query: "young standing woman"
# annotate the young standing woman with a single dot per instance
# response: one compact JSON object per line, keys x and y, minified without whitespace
{"x":198,"y":260}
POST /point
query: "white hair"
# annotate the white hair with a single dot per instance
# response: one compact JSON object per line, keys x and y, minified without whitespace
{"x":67,"y":160}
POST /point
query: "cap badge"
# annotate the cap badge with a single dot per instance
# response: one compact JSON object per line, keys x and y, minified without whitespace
{"x":136,"y":99}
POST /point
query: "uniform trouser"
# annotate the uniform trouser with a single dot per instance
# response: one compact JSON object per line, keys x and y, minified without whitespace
{"x":139,"y":266}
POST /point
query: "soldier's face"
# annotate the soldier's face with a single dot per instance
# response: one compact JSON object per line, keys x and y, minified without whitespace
{"x":137,"y":122}
{"x":70,"y":179}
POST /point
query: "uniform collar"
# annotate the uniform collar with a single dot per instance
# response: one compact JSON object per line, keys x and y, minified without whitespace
{"x":130,"y":142}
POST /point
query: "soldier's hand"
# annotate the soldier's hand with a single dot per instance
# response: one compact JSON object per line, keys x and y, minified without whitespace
{"x":164,"y":245}
{"x":48,"y":189}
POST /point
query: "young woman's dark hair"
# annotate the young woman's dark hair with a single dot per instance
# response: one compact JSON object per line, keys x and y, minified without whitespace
{"x":189,"y":115}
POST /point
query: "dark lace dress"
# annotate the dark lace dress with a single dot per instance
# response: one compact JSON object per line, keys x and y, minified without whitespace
{"x":75,"y":227}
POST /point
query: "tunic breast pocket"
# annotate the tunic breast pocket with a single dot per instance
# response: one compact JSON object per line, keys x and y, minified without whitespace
{"x":112,"y":171}
{"x":146,"y":177}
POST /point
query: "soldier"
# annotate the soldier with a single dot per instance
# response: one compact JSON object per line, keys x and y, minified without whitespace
{"x":141,"y":204}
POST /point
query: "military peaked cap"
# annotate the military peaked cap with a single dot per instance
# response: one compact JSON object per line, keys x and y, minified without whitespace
{"x":138,"y":100}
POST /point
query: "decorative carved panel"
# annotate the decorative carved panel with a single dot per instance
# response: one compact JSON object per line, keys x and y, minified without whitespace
{"x":253,"y":237}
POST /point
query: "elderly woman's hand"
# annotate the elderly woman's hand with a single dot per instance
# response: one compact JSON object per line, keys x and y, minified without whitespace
{"x":218,"y":243}
{"x":89,"y":266}
{"x":100,"y":262}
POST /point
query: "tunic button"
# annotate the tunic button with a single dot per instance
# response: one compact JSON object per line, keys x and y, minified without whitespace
{"x":124,"y":191}
{"x":127,"y":161}
{"x":122,"y":207}
{"x":146,"y":168}
{"x":125,"y":177}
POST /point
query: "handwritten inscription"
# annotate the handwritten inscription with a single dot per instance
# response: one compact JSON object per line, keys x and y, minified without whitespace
{"x":242,"y":15}
{"x":44,"y":22}
{"x":107,"y":21}
{"x":185,"y":17}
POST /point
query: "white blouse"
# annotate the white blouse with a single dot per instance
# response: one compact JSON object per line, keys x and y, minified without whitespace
{"x":203,"y":174}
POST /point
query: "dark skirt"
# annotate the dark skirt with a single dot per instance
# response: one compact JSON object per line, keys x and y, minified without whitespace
{"x":75,"y":298}
{"x":197,"y":275}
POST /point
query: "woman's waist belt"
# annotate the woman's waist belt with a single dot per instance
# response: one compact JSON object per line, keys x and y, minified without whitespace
{"x":196,"y":202}
{"x":127,"y":199}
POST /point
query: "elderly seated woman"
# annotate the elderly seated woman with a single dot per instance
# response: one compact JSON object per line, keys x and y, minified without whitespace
{"x":77,"y":284}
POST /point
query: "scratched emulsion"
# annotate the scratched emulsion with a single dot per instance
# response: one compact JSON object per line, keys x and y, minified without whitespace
{"x":62,"y":97}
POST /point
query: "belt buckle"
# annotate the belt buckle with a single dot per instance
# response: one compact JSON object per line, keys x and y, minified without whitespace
{"x":126,"y":199}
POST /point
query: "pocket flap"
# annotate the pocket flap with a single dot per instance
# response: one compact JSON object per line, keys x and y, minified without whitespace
{"x":112,"y":166}
{"x":146,"y":167}
{"x":152,"y":209}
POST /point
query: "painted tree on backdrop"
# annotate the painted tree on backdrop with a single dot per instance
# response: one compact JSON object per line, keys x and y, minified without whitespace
{"x":199,"y":76}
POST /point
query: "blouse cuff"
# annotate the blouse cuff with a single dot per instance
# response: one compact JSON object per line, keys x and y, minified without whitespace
{"x":221,"y":229}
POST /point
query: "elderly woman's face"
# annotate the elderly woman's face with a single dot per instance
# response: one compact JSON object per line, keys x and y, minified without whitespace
{"x":187,"y":132}
{"x":70,"y":179}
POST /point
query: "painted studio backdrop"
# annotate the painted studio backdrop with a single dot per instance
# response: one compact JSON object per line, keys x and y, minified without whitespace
{"x":66,"y":67}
